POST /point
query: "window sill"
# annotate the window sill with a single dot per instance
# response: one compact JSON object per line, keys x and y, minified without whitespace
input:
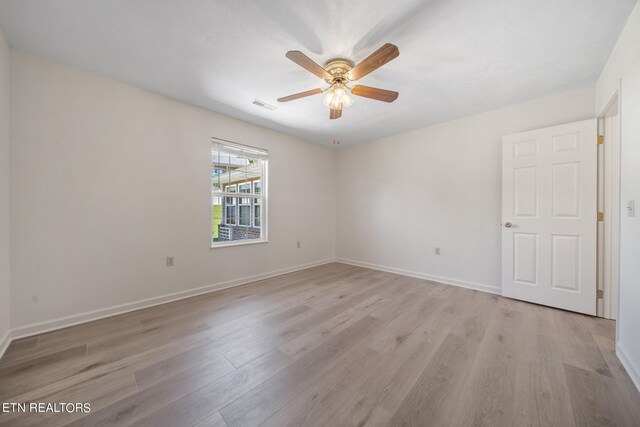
{"x":240,"y":243}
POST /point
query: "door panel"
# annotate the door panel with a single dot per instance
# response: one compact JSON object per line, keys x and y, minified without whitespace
{"x":525,"y":192}
{"x":549,"y":192}
{"x":565,"y":189}
{"x":525,"y":248}
{"x":565,"y":262}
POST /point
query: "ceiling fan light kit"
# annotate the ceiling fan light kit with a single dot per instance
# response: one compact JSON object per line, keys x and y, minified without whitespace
{"x":338,"y":73}
{"x":337,"y":96}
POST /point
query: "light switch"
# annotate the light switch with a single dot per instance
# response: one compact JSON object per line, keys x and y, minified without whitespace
{"x":631,"y":208}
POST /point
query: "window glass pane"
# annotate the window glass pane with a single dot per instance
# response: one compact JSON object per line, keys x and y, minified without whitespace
{"x":230,"y":214}
{"x":230,"y":189}
{"x":216,"y":217}
{"x":215,"y":180}
{"x":229,"y":166}
{"x":245,"y":187}
{"x":216,"y":169}
{"x":257,"y":187}
{"x":245,"y":174}
{"x":256,"y":215}
{"x":245,"y":215}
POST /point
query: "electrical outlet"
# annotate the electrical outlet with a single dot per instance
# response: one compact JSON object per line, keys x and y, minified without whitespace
{"x":169,"y":261}
{"x":437,"y":251}
{"x":298,"y":244}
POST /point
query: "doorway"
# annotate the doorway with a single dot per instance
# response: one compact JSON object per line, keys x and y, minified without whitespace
{"x":609,"y":206}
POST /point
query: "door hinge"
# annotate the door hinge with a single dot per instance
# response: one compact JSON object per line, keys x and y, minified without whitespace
{"x":600,"y":139}
{"x":600,"y":216}
{"x":599,"y":294}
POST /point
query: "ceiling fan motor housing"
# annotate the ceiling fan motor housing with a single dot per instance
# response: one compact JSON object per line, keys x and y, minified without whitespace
{"x":338,"y":68}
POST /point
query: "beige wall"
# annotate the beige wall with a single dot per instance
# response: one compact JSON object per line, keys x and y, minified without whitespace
{"x":108,"y":180}
{"x":440,"y":186}
{"x":4,"y":191}
{"x":622,"y":72}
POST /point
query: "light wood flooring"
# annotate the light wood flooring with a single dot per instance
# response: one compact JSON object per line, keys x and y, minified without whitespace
{"x":333,"y":345}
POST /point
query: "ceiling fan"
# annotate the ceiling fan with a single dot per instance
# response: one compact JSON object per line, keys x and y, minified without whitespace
{"x":338,"y":73}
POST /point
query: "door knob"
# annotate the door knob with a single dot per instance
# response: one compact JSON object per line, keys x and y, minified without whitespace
{"x":507,"y":224}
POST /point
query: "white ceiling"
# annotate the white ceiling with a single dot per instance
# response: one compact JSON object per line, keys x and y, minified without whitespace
{"x":457,"y":57}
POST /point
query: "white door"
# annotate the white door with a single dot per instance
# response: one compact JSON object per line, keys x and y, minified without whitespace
{"x":549,"y":217}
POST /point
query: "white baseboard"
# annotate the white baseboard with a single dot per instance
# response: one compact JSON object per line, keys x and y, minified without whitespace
{"x":632,"y":369}
{"x":89,"y":316}
{"x":446,"y":280}
{"x":4,"y":342}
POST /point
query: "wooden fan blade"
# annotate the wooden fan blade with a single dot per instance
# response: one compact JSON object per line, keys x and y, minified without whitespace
{"x":300,"y":95}
{"x":375,"y":93}
{"x":374,"y":61}
{"x":335,"y":114}
{"x":307,"y":63}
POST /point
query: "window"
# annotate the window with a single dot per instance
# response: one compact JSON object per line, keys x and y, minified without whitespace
{"x":257,"y":189}
{"x":230,"y":189}
{"x":238,"y":194}
{"x":256,"y":215}
{"x":230,"y":214}
{"x":244,"y":212}
{"x":245,"y":215}
{"x":245,"y":187}
{"x":230,"y":206}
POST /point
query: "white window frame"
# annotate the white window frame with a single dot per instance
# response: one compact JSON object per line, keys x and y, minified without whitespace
{"x":253,"y":153}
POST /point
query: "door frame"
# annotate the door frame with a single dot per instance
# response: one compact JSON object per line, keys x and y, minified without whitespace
{"x":608,"y":276}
